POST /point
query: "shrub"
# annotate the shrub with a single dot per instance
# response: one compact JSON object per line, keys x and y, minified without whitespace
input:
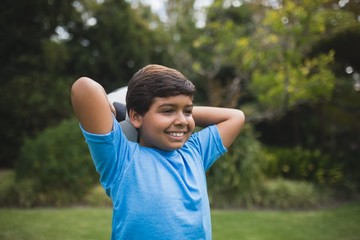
{"x":286,"y":194}
{"x":305,"y":165}
{"x":7,"y":180}
{"x":235,"y":179}
{"x":56,"y":165}
{"x":12,"y":193}
{"x":97,"y":197}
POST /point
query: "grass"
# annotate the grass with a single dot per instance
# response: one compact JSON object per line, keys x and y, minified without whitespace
{"x":55,"y":224}
{"x":341,"y":223}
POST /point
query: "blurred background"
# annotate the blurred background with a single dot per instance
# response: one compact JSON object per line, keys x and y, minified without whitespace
{"x":293,"y":67}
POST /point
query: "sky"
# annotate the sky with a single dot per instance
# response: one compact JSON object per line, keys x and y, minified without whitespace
{"x":158,"y":7}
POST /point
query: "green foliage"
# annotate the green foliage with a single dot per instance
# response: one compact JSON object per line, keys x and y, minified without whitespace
{"x":24,"y":193}
{"x":33,"y":79}
{"x":285,"y":76}
{"x":97,"y":197}
{"x":58,"y":165}
{"x":120,"y":42}
{"x":48,"y":44}
{"x":222,"y":45}
{"x":303,"y":165}
{"x":235,"y":179}
{"x":7,"y":180}
{"x":289,"y":84}
{"x":15,"y":194}
{"x":340,"y":126}
{"x":238,"y":178}
{"x":286,"y":194}
{"x":31,"y":103}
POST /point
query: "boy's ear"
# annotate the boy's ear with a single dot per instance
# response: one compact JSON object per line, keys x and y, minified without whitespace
{"x":135,"y":118}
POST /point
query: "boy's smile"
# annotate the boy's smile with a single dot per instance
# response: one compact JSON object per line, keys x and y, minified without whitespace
{"x":168,"y":124}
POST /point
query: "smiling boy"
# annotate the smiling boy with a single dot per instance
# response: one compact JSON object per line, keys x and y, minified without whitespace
{"x":157,"y":185}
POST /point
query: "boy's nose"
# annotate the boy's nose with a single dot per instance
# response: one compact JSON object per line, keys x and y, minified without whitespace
{"x":180,"y":119}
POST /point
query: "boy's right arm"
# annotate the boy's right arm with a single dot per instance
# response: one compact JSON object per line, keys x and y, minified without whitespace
{"x":91,"y":106}
{"x":229,"y":121}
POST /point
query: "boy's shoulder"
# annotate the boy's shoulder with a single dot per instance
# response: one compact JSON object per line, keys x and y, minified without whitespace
{"x":206,"y":136}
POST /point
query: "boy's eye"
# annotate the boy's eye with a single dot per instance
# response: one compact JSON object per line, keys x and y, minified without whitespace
{"x":188,"y":111}
{"x":168,"y":111}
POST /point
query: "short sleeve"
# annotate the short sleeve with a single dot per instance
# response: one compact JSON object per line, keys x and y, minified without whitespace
{"x":108,"y":152}
{"x":209,"y":144}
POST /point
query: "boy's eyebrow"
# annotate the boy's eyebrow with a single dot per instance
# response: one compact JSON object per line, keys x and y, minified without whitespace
{"x":173,"y":105}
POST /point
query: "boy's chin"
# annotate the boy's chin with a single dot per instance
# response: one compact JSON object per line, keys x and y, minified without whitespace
{"x":173,"y":147}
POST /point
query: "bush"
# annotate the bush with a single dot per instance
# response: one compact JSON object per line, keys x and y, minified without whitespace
{"x":238,"y":179}
{"x":7,"y":180}
{"x":56,"y":166}
{"x":304,"y":165}
{"x":97,"y":197}
{"x":286,"y":194}
{"x":13,"y":194}
{"x":235,"y":179}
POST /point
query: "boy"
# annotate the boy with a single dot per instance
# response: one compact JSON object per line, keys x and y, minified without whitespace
{"x":157,"y":185}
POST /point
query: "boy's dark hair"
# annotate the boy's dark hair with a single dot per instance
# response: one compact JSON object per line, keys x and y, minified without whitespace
{"x":155,"y":81}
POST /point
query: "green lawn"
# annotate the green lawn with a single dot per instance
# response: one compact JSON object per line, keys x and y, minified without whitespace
{"x":94,"y":223}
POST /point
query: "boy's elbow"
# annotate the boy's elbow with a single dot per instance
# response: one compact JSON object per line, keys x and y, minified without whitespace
{"x":80,"y":90}
{"x":240,"y":116}
{"x":239,"y":121}
{"x":81,"y":87}
{"x":232,"y":127}
{"x":79,"y":84}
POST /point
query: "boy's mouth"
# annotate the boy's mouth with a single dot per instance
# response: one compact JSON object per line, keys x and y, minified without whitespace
{"x":176,"y":134}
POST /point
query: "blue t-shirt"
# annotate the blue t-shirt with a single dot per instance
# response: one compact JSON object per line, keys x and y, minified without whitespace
{"x":156,"y":194}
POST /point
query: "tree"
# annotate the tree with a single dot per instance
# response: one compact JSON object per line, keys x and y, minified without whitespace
{"x":30,"y":66}
{"x":219,"y":56}
{"x":285,"y":76}
{"x":112,"y":41}
{"x":300,"y":78}
{"x":182,"y":31}
{"x":51,"y":43}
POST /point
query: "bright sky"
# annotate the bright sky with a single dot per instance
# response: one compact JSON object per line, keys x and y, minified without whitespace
{"x":158,"y":7}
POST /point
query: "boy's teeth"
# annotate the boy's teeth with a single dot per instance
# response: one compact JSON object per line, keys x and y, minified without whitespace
{"x":176,"y":134}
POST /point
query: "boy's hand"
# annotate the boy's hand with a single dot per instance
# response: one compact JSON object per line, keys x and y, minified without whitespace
{"x":112,"y":108}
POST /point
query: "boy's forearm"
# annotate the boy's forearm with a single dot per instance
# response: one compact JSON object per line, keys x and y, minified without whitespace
{"x":205,"y":116}
{"x":228,"y":121}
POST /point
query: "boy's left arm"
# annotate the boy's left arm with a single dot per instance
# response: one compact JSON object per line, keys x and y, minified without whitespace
{"x":229,"y":121}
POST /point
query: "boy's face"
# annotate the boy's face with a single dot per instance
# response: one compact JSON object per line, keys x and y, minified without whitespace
{"x":168,"y":124}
